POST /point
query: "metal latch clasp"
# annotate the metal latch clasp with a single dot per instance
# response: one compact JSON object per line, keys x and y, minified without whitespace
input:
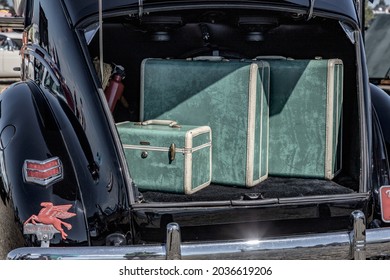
{"x":172,"y":153}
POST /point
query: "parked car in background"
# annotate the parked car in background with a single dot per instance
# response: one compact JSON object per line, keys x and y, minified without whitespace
{"x":10,"y":59}
{"x":195,"y":130}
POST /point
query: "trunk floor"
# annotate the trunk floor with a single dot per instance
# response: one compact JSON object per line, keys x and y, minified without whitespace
{"x":273,"y":187}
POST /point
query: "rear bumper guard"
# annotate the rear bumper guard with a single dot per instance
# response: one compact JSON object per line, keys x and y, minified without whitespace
{"x":359,"y":243}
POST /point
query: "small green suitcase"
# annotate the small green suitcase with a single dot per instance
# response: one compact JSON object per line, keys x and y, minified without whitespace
{"x":164,"y":156}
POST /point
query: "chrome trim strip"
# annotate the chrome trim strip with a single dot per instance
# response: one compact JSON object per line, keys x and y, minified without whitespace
{"x":333,"y":246}
{"x":378,"y":242}
{"x":359,"y":244}
{"x":320,"y":246}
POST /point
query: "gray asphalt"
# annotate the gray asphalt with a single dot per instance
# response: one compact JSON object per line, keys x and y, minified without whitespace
{"x":7,"y":237}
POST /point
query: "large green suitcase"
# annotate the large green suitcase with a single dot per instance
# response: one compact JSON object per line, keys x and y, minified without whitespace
{"x":164,"y":156}
{"x":229,"y":96}
{"x":306,"y":99}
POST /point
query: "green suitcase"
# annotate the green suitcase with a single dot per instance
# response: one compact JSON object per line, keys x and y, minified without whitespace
{"x":164,"y":156}
{"x":306,"y":99}
{"x":229,"y":96}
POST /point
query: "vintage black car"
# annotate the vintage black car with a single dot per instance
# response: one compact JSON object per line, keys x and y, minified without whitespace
{"x":273,"y":149}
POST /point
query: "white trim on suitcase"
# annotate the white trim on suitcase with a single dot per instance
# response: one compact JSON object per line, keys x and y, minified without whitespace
{"x":188,"y":143}
{"x":251,"y":124}
{"x":253,"y":91}
{"x":330,"y":130}
{"x":164,"y":149}
{"x":329,"y":121}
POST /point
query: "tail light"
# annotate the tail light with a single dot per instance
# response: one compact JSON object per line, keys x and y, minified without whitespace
{"x":42,"y":172}
{"x":384,"y":194}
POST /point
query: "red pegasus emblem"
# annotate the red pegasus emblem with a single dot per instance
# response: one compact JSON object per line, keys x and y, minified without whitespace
{"x":51,"y":215}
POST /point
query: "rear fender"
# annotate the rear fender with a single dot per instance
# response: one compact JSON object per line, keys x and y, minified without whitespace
{"x":29,"y":131}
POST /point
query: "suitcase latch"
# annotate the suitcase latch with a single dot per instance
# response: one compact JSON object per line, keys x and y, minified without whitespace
{"x":172,"y":152}
{"x":144,"y":154}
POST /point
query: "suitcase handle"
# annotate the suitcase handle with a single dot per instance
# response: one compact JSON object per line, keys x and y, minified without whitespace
{"x":169,"y":123}
{"x":208,"y":58}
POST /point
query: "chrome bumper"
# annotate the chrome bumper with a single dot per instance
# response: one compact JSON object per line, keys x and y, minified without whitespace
{"x":358,"y":243}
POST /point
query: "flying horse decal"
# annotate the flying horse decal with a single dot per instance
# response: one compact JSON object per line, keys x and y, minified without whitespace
{"x":51,"y":215}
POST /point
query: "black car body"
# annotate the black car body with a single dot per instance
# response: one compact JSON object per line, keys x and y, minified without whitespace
{"x":57,"y":119}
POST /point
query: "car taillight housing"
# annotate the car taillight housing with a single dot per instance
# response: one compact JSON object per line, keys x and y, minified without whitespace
{"x":384,"y":195}
{"x":43,"y":172}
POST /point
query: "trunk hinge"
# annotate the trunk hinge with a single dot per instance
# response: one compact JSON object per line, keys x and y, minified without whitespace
{"x":311,"y":9}
{"x":140,"y":8}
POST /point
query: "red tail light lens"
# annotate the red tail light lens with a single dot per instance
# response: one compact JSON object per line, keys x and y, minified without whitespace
{"x":384,"y":194}
{"x":42,"y":172}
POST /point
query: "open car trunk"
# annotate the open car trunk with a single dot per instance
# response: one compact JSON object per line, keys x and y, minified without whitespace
{"x":238,"y":36}
{"x":249,"y":37}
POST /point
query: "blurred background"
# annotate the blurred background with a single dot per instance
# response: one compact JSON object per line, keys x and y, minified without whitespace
{"x":377,"y":42}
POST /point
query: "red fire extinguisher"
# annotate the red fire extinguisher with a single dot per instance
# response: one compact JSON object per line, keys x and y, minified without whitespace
{"x":115,"y":87}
